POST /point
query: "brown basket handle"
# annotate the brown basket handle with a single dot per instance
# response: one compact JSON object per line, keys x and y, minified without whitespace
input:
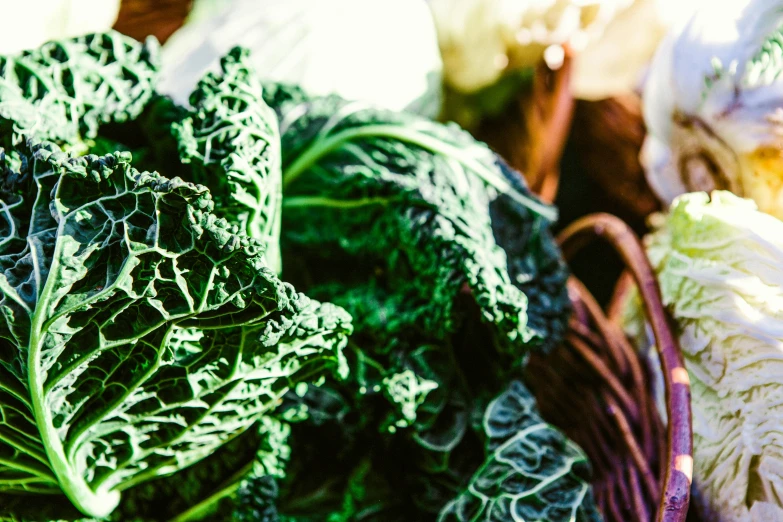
{"x":679,"y":437}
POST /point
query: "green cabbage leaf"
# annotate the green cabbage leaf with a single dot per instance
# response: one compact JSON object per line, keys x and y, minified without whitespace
{"x":64,"y":90}
{"x":140,"y":332}
{"x":532,"y":471}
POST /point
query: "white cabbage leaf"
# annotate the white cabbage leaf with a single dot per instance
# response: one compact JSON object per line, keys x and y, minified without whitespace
{"x":616,"y":62}
{"x":481,"y":40}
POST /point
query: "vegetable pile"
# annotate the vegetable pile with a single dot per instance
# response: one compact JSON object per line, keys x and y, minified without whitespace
{"x":266,"y":306}
{"x":404,"y":397}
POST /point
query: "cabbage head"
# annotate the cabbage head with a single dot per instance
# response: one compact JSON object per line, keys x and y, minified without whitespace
{"x":481,"y":40}
{"x":712,"y":105}
{"x":718,"y":262}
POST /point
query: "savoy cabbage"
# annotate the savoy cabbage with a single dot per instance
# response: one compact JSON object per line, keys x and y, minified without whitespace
{"x":149,"y":347}
{"x":446,"y":263}
{"x":130,"y":309}
{"x":140,"y":331}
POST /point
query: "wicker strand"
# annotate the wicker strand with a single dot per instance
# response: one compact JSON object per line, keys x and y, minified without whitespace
{"x":607,"y":330}
{"x":617,"y":340}
{"x":614,"y":508}
{"x":640,"y":509}
{"x":614,"y":384}
{"x":648,"y":479}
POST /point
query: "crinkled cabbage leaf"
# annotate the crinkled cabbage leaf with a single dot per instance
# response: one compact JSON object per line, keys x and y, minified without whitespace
{"x":532,"y":471}
{"x":64,"y":90}
{"x":139,"y":331}
{"x":416,"y":199}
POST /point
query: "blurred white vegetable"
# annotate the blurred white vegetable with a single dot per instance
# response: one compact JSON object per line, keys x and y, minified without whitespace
{"x":712,"y":104}
{"x":29,"y":23}
{"x":480,"y":40}
{"x":718,"y":262}
{"x":381,"y":51}
{"x":615,"y":62}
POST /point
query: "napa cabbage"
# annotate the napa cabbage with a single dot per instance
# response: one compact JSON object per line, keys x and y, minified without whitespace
{"x":717,"y":259}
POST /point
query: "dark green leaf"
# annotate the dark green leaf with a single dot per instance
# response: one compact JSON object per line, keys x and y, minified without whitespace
{"x":139,"y":332}
{"x":232,"y":143}
{"x":532,"y":473}
{"x":63,"y":91}
{"x":412,"y":198}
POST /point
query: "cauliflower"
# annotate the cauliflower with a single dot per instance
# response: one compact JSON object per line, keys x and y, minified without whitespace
{"x":718,"y":262}
{"x":712,"y":104}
